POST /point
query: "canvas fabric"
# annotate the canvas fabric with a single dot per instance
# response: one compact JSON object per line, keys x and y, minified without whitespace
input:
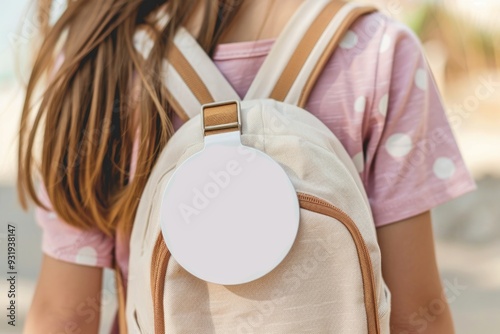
{"x":331,"y":280}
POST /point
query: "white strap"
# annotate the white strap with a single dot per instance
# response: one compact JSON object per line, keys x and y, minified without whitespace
{"x":185,"y":88}
{"x":291,"y":69}
{"x":217,"y":84}
{"x":283,"y":48}
{"x":199,"y":62}
{"x":220,"y":89}
{"x":180,"y":91}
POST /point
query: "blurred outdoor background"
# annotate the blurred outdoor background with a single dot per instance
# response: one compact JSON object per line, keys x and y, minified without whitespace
{"x":462,"y":41}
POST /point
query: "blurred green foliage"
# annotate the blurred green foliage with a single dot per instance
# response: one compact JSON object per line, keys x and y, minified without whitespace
{"x":470,"y":46}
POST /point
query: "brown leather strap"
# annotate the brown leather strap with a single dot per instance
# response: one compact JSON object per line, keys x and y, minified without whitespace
{"x":189,"y":75}
{"x":332,"y":45}
{"x":306,"y":45}
{"x":303,"y":50}
{"x":317,"y":205}
{"x":159,"y":264}
{"x":221,"y":117}
{"x":176,"y":107}
{"x":120,"y":290}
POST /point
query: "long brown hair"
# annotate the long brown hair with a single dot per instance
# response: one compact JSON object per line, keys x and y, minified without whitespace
{"x":86,"y":118}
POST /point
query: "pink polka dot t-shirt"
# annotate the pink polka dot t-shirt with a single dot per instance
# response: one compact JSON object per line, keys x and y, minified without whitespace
{"x":378,"y":97}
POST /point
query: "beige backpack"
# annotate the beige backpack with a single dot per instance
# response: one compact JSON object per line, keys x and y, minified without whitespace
{"x":331,"y":280}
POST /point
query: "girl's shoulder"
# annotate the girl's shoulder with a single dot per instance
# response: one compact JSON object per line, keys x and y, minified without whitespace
{"x":378,"y":33}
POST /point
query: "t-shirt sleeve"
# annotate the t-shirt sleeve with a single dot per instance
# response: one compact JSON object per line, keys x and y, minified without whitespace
{"x":412,"y":160}
{"x":67,"y":243}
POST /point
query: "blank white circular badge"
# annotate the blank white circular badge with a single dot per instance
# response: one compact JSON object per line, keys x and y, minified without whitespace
{"x":229,"y":213}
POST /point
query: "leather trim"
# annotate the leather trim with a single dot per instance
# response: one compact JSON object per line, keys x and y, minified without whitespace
{"x":283,"y":48}
{"x":159,"y":263}
{"x":220,"y":115}
{"x":179,"y":90}
{"x":328,"y":51}
{"x":189,"y":75}
{"x":312,"y":203}
{"x":143,"y":42}
{"x":314,"y":51}
{"x":303,"y":50}
{"x":315,"y":204}
{"x":214,"y":80}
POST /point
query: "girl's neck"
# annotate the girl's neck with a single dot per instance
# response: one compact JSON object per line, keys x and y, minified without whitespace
{"x":271,"y":15}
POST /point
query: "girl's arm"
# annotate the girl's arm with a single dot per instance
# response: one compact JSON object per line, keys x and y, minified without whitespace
{"x":67,"y":299}
{"x":419,"y":303}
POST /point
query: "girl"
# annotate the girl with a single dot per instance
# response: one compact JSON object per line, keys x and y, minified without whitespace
{"x":104,"y":119}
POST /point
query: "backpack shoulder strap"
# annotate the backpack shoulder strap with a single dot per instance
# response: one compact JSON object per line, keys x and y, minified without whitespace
{"x":302,"y":50}
{"x":189,"y":76}
{"x":189,"y":70}
{"x":288,"y":74}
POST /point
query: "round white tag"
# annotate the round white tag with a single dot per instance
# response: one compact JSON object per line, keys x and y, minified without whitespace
{"x":229,"y":213}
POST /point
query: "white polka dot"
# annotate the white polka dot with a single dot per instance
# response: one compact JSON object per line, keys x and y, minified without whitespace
{"x":398,"y":145}
{"x":360,"y":104}
{"x":358,"y":160}
{"x":421,"y":79}
{"x":350,"y":40}
{"x":383,"y":104}
{"x":444,"y":168}
{"x":87,"y":255}
{"x":385,"y":43}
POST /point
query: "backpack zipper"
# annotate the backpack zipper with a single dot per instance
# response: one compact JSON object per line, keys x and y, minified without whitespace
{"x":318,"y":205}
{"x":161,"y":256}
